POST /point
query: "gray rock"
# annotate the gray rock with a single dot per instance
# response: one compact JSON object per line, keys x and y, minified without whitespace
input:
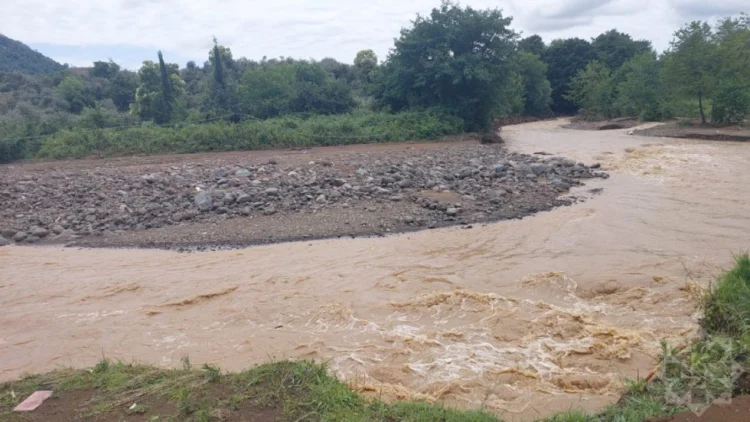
{"x":92,"y":218}
{"x":408,"y":219}
{"x":269,"y":210}
{"x":20,"y":236}
{"x":228,"y":198}
{"x":219,"y":172}
{"x":58,"y":229}
{"x":361,"y":172}
{"x":4,"y":241}
{"x":33,"y":239}
{"x":122,"y":193}
{"x":338,"y":182}
{"x":465,"y":172}
{"x":292,"y":174}
{"x":539,"y":168}
{"x":242,"y":173}
{"x":243,"y":198}
{"x":150,"y":178}
{"x":222,"y":210}
{"x":256,"y":183}
{"x":39,"y":232}
{"x":203,"y":201}
{"x":8,"y":233}
{"x":451,"y":211}
{"x":499,"y":168}
{"x":387,"y":180}
{"x":321,"y":199}
{"x":272,"y":192}
{"x":406,"y":184}
{"x":396,"y":198}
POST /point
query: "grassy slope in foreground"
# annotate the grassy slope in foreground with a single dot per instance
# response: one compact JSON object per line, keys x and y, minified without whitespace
{"x":713,"y":367}
{"x":283,"y":391}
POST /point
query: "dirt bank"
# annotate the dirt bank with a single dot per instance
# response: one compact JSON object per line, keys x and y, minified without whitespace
{"x":251,"y":198}
{"x":618,"y":123}
{"x":675,"y":130}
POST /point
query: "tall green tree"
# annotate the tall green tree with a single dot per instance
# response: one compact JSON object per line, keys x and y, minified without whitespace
{"x":639,"y":91}
{"x":166,"y":90}
{"x":365,"y":63}
{"x":613,"y":48}
{"x":217,"y":98}
{"x":122,"y":89}
{"x":537,"y":92}
{"x":564,"y":59}
{"x":532,"y":44}
{"x":457,"y":59}
{"x":691,"y":63}
{"x":593,"y":91}
{"x":731,"y":100}
{"x":158,"y":96}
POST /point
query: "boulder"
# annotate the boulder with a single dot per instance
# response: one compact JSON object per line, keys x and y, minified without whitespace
{"x":203,"y":201}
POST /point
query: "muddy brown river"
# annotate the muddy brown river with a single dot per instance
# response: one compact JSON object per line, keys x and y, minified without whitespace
{"x":523,"y":317}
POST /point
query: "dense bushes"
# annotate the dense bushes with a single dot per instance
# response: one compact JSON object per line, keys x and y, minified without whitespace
{"x":248,"y":135}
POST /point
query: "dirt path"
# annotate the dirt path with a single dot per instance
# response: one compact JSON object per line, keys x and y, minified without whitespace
{"x":527,"y":317}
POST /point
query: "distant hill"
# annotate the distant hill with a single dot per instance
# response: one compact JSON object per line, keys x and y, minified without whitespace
{"x":16,"y":56}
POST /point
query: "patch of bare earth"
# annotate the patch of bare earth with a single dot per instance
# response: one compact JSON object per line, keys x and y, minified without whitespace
{"x":676,"y":130}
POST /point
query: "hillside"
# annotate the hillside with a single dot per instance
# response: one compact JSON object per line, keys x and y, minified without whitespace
{"x":16,"y":56}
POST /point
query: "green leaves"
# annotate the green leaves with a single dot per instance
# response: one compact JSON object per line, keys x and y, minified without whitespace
{"x":458,"y":59}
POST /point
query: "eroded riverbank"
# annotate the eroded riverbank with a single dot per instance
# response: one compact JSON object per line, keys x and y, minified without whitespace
{"x":527,"y":317}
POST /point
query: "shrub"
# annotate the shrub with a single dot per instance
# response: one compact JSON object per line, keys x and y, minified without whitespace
{"x":279,"y":132}
{"x":726,"y":308}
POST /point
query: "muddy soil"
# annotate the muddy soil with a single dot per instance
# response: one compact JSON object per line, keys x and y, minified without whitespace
{"x":239,"y":199}
{"x":618,"y":123}
{"x":675,"y":130}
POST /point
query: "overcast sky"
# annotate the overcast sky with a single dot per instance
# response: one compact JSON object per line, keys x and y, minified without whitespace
{"x":130,"y":31}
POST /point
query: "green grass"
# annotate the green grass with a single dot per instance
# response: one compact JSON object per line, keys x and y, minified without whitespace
{"x":726,"y":310}
{"x":282,"y":132}
{"x":306,"y":391}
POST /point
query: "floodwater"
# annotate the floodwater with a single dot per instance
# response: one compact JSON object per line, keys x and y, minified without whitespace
{"x":522,"y":317}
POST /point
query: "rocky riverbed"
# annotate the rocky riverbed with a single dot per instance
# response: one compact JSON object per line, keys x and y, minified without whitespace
{"x":250,"y":198}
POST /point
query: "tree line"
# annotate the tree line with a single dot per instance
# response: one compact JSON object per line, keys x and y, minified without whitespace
{"x":460,"y":62}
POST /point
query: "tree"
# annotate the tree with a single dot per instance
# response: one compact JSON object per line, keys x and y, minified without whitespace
{"x":218,"y":98}
{"x":365,"y":62}
{"x":72,"y":89}
{"x":456,"y":59}
{"x":533,"y":44}
{"x":106,"y":70}
{"x":266,"y":92}
{"x":315,"y":91}
{"x":284,"y":88}
{"x":640,"y":92}
{"x":614,"y":48}
{"x":564,"y":59}
{"x":166,"y":89}
{"x":592,"y":90}
{"x":122,"y":89}
{"x":159,"y":91}
{"x":731,"y":102}
{"x":690,"y":63}
{"x":537,"y":92}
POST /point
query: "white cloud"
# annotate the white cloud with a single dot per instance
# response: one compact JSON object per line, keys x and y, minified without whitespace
{"x":324,"y":28}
